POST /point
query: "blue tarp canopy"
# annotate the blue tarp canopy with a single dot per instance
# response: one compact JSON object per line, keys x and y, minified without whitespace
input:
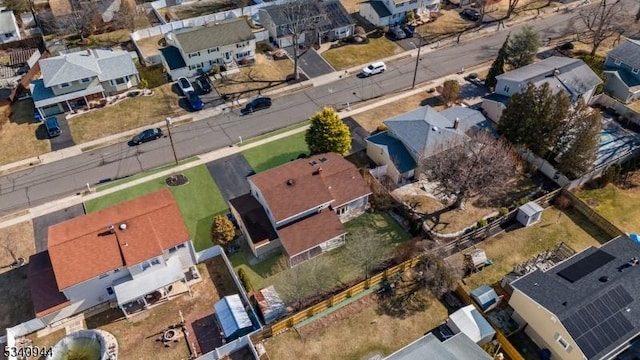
{"x":232,"y":317}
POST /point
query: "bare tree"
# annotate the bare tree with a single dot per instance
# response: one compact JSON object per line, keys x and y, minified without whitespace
{"x":436,"y":274}
{"x":81,"y":21}
{"x":513,"y":4}
{"x":305,"y":280}
{"x":479,"y":163}
{"x":301,"y":17}
{"x":363,"y":250}
{"x":125,"y":17}
{"x":8,"y":247}
{"x":601,"y":22}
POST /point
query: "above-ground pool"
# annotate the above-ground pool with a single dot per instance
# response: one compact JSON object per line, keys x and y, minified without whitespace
{"x":81,"y":345}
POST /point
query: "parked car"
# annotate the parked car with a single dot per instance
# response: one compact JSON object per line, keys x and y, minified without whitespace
{"x":471,"y":14}
{"x":409,"y":30}
{"x":146,"y":135}
{"x":194,"y":101}
{"x":53,"y":127}
{"x":204,"y":83}
{"x":257,"y":104}
{"x":185,"y":85}
{"x":374,"y":68}
{"x":397,"y":33}
{"x":255,"y":18}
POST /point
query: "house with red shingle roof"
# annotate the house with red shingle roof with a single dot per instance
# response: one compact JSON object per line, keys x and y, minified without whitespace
{"x":299,"y":207}
{"x":130,"y":255}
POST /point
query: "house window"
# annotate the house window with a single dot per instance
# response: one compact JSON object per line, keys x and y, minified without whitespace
{"x":197,"y":53}
{"x":172,"y":250}
{"x":8,"y":35}
{"x":64,"y":85}
{"x":147,"y":264}
{"x":103,"y":276}
{"x":506,"y":89}
{"x":635,"y":70}
{"x":617,"y":62}
{"x":116,"y":270}
{"x":85,"y":80}
{"x":155,"y":262}
{"x":215,"y":49}
{"x":181,"y":246}
{"x":341,"y":211}
{"x":110,"y":290}
{"x":119,"y":81}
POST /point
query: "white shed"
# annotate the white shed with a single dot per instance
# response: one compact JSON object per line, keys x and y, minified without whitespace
{"x":529,"y":213}
{"x":469,"y":321}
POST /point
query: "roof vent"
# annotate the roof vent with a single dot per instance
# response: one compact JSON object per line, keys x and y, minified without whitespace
{"x":313,"y":162}
{"x":603,"y":279}
{"x":317,"y":172}
{"x":456,"y":123}
{"x":323,"y":159}
{"x":290,"y":182}
{"x":435,"y":128}
{"x":123,"y":226}
{"x":564,"y":303}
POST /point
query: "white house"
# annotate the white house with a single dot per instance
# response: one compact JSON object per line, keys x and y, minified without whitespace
{"x":300,"y":206}
{"x":222,"y":43}
{"x":572,"y":76}
{"x":130,"y":255}
{"x":457,"y":347}
{"x":73,"y":80}
{"x":586,"y":306}
{"x":392,"y":12}
{"x":9,"y":29}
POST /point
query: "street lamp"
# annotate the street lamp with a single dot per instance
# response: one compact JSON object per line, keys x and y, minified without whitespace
{"x":415,"y":71}
{"x":173,"y":148}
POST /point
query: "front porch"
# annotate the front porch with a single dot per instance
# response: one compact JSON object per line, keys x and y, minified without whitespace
{"x":48,"y":104}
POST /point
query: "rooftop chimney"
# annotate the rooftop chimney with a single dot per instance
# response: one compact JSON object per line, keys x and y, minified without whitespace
{"x":123,"y":226}
{"x":317,"y":171}
{"x":456,"y":123}
{"x":290,"y":182}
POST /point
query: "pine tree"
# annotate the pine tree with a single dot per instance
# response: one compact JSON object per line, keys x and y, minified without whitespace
{"x":328,"y":133}
{"x":222,"y":230}
{"x":580,"y":142}
{"x":497,"y":68}
{"x":522,"y":48}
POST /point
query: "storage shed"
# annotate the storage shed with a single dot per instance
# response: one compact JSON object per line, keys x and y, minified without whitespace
{"x":232,"y":317}
{"x":270,"y":306}
{"x":529,"y":213}
{"x":485,"y":296}
{"x":470,"y":321}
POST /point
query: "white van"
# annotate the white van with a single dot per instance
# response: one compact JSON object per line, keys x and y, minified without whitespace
{"x":374,"y":68}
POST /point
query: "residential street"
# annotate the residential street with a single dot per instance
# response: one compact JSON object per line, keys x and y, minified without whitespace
{"x":65,"y":177}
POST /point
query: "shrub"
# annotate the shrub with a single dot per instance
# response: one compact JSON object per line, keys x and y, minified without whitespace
{"x":567,"y":46}
{"x":504,"y":211}
{"x":610,"y":175}
{"x":524,"y":200}
{"x":144,"y":84}
{"x":215,"y":69}
{"x":244,"y":279}
{"x":381,"y":128}
{"x":482,"y":223}
{"x":562,"y":202}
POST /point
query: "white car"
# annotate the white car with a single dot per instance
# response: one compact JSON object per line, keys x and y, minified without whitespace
{"x":374,"y":68}
{"x":185,"y":85}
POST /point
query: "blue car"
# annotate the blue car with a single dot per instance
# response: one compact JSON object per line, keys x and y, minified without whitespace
{"x":194,"y":101}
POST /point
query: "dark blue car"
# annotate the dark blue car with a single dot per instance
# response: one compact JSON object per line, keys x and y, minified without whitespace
{"x":409,"y":30}
{"x":194,"y":101}
{"x":146,"y":135}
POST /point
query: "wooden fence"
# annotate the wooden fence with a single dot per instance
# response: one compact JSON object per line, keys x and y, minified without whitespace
{"x":506,"y":345}
{"x":305,"y":314}
{"x":593,"y":216}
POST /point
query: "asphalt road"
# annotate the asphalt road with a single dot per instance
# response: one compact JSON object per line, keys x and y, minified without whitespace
{"x":66,"y":177}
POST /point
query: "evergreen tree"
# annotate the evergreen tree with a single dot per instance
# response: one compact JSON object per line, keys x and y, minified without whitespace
{"x":497,"y":68}
{"x":580,"y":142}
{"x":328,"y":133}
{"x":222,"y":230}
{"x":522,"y":48}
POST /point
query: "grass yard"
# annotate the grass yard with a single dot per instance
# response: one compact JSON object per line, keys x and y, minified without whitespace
{"x":352,"y":55}
{"x":21,"y":137}
{"x":126,"y":115}
{"x":448,"y":23}
{"x":635,"y":106}
{"x":619,"y":206}
{"x":15,"y":295}
{"x":125,"y":180}
{"x":556,"y":226}
{"x":357,"y":333}
{"x":264,"y":75}
{"x":154,"y":75}
{"x":150,"y":46}
{"x":373,"y":118}
{"x":112,"y":38}
{"x":195,"y":9}
{"x":199,"y":201}
{"x":352,"y":6}
{"x":275,"y":153}
{"x":272,"y":271}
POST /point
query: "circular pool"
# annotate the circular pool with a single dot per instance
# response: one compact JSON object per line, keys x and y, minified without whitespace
{"x":81,"y":345}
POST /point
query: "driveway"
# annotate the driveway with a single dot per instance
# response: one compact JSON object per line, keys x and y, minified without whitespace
{"x":358,"y":134}
{"x":312,"y":63}
{"x":41,"y":224}
{"x":64,"y":140}
{"x":230,"y":173}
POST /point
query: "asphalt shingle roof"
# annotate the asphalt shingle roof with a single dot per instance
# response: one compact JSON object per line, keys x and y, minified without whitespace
{"x":172,"y":56}
{"x":336,"y":16}
{"x":458,"y":347}
{"x":7,"y":22}
{"x":214,"y":34}
{"x":399,"y":155}
{"x":105,"y":64}
{"x":568,"y":300}
{"x":628,"y":52}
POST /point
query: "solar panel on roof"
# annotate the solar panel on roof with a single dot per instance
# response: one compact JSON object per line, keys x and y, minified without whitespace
{"x":586,"y":266}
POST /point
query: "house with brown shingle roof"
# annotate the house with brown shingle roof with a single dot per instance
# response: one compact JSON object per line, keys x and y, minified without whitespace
{"x":299,"y":207}
{"x":131,"y":255}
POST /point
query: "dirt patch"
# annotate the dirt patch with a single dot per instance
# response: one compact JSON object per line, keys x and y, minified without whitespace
{"x":265,"y":74}
{"x":150,"y":46}
{"x":371,"y":119}
{"x":352,"y":6}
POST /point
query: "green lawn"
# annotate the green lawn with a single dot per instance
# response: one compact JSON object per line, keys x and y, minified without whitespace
{"x":271,"y":271}
{"x":276,"y":153}
{"x":619,"y":206}
{"x":352,"y":55}
{"x":111,"y":184}
{"x":199,"y":201}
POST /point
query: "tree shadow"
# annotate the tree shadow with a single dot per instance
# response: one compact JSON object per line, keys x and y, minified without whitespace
{"x":220,"y":276}
{"x":402,"y":303}
{"x":590,"y":228}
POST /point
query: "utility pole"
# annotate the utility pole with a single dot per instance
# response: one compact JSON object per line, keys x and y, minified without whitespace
{"x":173,"y":148}
{"x":415,"y":71}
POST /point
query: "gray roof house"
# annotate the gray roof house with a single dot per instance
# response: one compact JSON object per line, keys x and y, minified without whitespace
{"x":457,"y":347}
{"x":328,"y":18}
{"x":222,"y":43}
{"x":622,"y":69}
{"x":72,"y":81}
{"x":9,"y":30}
{"x":420,"y":134}
{"x":391,"y":12}
{"x":585,"y":307}
{"x":572,"y":76}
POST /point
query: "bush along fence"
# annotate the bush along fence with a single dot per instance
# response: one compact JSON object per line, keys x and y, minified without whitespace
{"x":590,"y":214}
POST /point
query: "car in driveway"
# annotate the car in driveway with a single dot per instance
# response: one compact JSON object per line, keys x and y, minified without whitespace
{"x":409,"y":30}
{"x":53,"y":127}
{"x":256,"y":104}
{"x":470,"y":14}
{"x":204,"y":83}
{"x":397,"y":33}
{"x":194,"y":101}
{"x":185,"y":85}
{"x":146,"y":135}
{"x":374,"y":68}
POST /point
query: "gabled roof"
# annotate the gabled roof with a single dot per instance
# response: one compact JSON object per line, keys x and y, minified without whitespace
{"x":173,"y":58}
{"x":626,"y":76}
{"x":334,"y":15}
{"x":310,"y":232}
{"x":562,"y":73}
{"x":231,"y":315}
{"x":8,"y":23}
{"x":628,"y":52}
{"x":470,"y":322}
{"x":83,"y":248}
{"x":303,"y":184}
{"x":105,"y":64}
{"x":211,"y":35}
{"x":255,"y":220}
{"x":380,"y":8}
{"x":595,"y":294}
{"x":426,"y":132}
{"x":45,"y":295}
{"x":398,"y":154}
{"x":457,"y":347}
